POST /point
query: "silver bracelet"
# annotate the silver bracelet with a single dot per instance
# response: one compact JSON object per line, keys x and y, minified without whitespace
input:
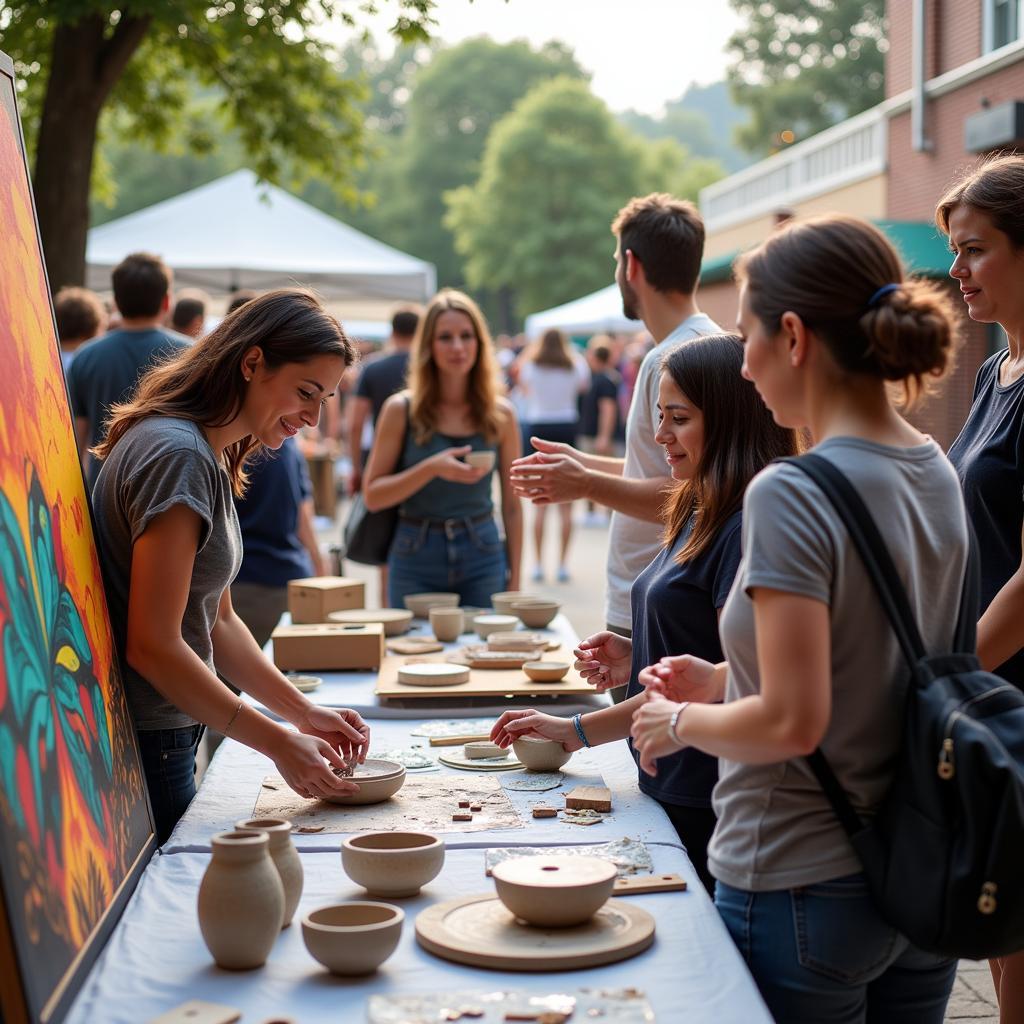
{"x":231,"y":722}
{"x":674,"y":719}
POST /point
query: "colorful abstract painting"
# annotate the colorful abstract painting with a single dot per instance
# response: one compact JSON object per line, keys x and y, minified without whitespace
{"x":75,"y":827}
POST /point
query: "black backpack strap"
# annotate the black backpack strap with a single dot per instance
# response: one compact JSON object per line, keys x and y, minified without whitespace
{"x":965,"y":639}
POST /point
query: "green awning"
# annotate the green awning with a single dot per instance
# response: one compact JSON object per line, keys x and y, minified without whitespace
{"x":922,"y":246}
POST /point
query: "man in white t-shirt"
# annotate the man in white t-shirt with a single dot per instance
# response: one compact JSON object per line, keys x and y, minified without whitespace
{"x":660,"y":245}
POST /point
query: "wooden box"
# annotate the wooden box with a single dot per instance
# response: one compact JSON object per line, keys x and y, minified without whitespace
{"x":328,"y":645}
{"x":312,"y":599}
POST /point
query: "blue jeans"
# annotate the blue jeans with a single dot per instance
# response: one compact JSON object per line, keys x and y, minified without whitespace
{"x":461,"y":557}
{"x":169,"y":763}
{"x":823,"y":955}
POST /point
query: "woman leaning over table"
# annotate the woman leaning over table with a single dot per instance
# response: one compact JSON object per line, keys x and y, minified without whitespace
{"x":173,"y":458}
{"x":811,"y":659}
{"x":717,"y":435}
{"x":447,"y":539}
{"x":983,"y":214}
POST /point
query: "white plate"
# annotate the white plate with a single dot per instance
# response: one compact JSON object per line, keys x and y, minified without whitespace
{"x":433,"y":673}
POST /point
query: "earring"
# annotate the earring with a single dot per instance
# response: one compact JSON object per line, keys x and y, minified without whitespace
{"x":248,"y":379}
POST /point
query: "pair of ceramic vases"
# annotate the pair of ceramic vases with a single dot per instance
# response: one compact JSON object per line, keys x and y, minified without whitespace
{"x":249,"y":892}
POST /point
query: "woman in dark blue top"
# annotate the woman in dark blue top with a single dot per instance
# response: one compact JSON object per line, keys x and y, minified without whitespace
{"x":983,"y":214}
{"x":447,"y":539}
{"x":717,"y":435}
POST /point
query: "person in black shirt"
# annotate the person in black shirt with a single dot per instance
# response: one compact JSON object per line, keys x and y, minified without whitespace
{"x":717,"y":435}
{"x":983,"y":214}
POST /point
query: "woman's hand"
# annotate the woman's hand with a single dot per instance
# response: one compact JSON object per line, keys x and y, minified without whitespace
{"x":650,"y":731}
{"x":448,"y":465}
{"x":343,"y":729}
{"x":604,"y":660}
{"x":514,"y":724}
{"x":306,"y":762}
{"x":684,"y":677}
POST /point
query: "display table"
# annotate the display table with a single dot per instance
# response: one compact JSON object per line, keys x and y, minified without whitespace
{"x":156,"y":958}
{"x":232,"y":784}
{"x":355,"y":689}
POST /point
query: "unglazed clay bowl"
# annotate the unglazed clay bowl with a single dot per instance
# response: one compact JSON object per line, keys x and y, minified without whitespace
{"x":535,"y":614}
{"x":480,"y":460}
{"x":554,"y":892}
{"x":304,"y":684}
{"x":540,"y":755}
{"x":353,"y":938}
{"x":395,"y":621}
{"x":447,"y":623}
{"x":546,"y":671}
{"x":487,"y":624}
{"x":392,"y":864}
{"x":420,"y":604}
{"x":378,"y":780}
{"x":503,"y":602}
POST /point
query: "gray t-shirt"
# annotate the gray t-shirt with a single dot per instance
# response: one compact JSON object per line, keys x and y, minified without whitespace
{"x":159,"y":463}
{"x":633,"y":543}
{"x":776,"y":829}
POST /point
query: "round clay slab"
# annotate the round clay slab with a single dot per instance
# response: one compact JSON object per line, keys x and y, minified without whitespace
{"x":479,"y":931}
{"x":394,"y":620}
{"x":433,"y":673}
{"x":480,"y":764}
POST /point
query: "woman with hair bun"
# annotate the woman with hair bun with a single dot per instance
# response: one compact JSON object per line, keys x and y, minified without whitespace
{"x":983,"y":214}
{"x":828,"y":319}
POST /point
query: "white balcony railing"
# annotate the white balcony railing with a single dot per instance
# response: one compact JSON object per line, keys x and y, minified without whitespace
{"x":838,"y":156}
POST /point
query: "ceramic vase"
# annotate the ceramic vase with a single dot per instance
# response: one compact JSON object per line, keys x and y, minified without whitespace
{"x":285,"y":857}
{"x":241,"y":900}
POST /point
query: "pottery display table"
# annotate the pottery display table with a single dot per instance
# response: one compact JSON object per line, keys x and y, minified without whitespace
{"x":232,"y":784}
{"x":356,"y":689}
{"x":156,"y":958}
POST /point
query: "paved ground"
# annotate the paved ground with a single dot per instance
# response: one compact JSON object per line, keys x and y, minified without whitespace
{"x":582,"y":600}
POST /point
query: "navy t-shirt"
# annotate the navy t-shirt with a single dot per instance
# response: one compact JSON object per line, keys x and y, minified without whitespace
{"x":381,"y":378}
{"x":268,"y":516}
{"x":989,"y":459}
{"x":675,"y":611}
{"x":603,"y":384}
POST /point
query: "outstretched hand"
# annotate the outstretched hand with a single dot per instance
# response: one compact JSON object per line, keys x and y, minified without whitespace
{"x":604,"y":660}
{"x":551,"y":475}
{"x":684,"y":677}
{"x":650,"y":731}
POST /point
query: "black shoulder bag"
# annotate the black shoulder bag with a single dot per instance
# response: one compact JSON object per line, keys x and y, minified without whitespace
{"x":368,"y":535}
{"x":943,"y":853}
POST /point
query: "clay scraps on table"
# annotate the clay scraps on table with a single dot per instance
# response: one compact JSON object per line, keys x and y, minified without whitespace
{"x":630,"y":856}
{"x":424,"y":803}
{"x":533,"y":782}
{"x":414,"y":758}
{"x":454,"y":727}
{"x":502,"y":1006}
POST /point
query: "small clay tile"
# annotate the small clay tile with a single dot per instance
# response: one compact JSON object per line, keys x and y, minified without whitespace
{"x":462,"y":816}
{"x":543,"y":811}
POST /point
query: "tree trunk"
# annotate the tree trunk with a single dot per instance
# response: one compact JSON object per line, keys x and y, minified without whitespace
{"x":85,"y":67}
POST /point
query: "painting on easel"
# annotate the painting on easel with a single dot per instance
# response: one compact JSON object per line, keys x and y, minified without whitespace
{"x":75,"y":826}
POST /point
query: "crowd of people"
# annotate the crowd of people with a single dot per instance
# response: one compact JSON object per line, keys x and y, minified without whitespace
{"x":742,"y":631}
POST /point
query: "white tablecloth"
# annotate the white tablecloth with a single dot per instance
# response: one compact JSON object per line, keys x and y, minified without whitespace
{"x":156,"y":958}
{"x":231,"y":786}
{"x":355,"y":689}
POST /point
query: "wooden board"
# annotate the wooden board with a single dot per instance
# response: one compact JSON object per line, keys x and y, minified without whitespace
{"x":589,"y":798}
{"x":479,"y":931}
{"x":483,"y":682}
{"x":648,"y":883}
{"x":458,"y":741}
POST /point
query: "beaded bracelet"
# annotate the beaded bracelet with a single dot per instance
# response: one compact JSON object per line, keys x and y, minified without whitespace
{"x":577,"y":721}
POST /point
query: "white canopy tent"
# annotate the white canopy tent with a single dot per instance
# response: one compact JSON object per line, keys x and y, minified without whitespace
{"x":591,"y":314}
{"x":237,"y":232}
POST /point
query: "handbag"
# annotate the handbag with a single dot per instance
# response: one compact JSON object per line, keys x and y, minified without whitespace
{"x":368,"y":535}
{"x":942,"y":853}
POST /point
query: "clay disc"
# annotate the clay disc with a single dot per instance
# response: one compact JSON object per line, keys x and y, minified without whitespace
{"x":394,"y":620}
{"x":479,"y":931}
{"x":433,"y":673}
{"x":415,"y":645}
{"x":480,"y":764}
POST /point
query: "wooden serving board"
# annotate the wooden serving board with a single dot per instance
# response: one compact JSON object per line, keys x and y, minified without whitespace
{"x":479,"y":931}
{"x":483,"y":682}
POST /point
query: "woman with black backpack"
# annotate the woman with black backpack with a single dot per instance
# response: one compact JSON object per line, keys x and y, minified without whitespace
{"x":983,"y":215}
{"x":829,"y":321}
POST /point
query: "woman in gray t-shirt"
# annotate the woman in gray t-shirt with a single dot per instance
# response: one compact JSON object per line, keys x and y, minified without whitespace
{"x":828,"y":320}
{"x":173,"y":458}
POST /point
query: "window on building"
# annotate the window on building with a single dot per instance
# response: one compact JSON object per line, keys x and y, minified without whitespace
{"x":1004,"y":20}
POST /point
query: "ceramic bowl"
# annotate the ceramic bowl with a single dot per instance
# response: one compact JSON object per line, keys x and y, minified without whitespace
{"x":535,"y":614}
{"x":546,"y":671}
{"x":554,"y":892}
{"x":447,"y":623}
{"x":420,"y":604}
{"x":392,"y":864}
{"x":353,"y":938}
{"x":304,"y":684}
{"x":503,"y":602}
{"x":487,"y":624}
{"x":395,"y":621}
{"x":377,"y":779}
{"x":540,"y":755}
{"x":480,"y":460}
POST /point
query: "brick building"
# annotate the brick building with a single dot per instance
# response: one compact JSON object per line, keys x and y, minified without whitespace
{"x":954,"y":91}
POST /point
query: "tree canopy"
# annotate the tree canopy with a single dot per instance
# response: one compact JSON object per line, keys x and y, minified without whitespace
{"x":800,"y":66}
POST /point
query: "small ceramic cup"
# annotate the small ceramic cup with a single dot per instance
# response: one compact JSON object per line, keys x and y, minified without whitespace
{"x":480,"y":460}
{"x":353,"y":938}
{"x":447,"y":623}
